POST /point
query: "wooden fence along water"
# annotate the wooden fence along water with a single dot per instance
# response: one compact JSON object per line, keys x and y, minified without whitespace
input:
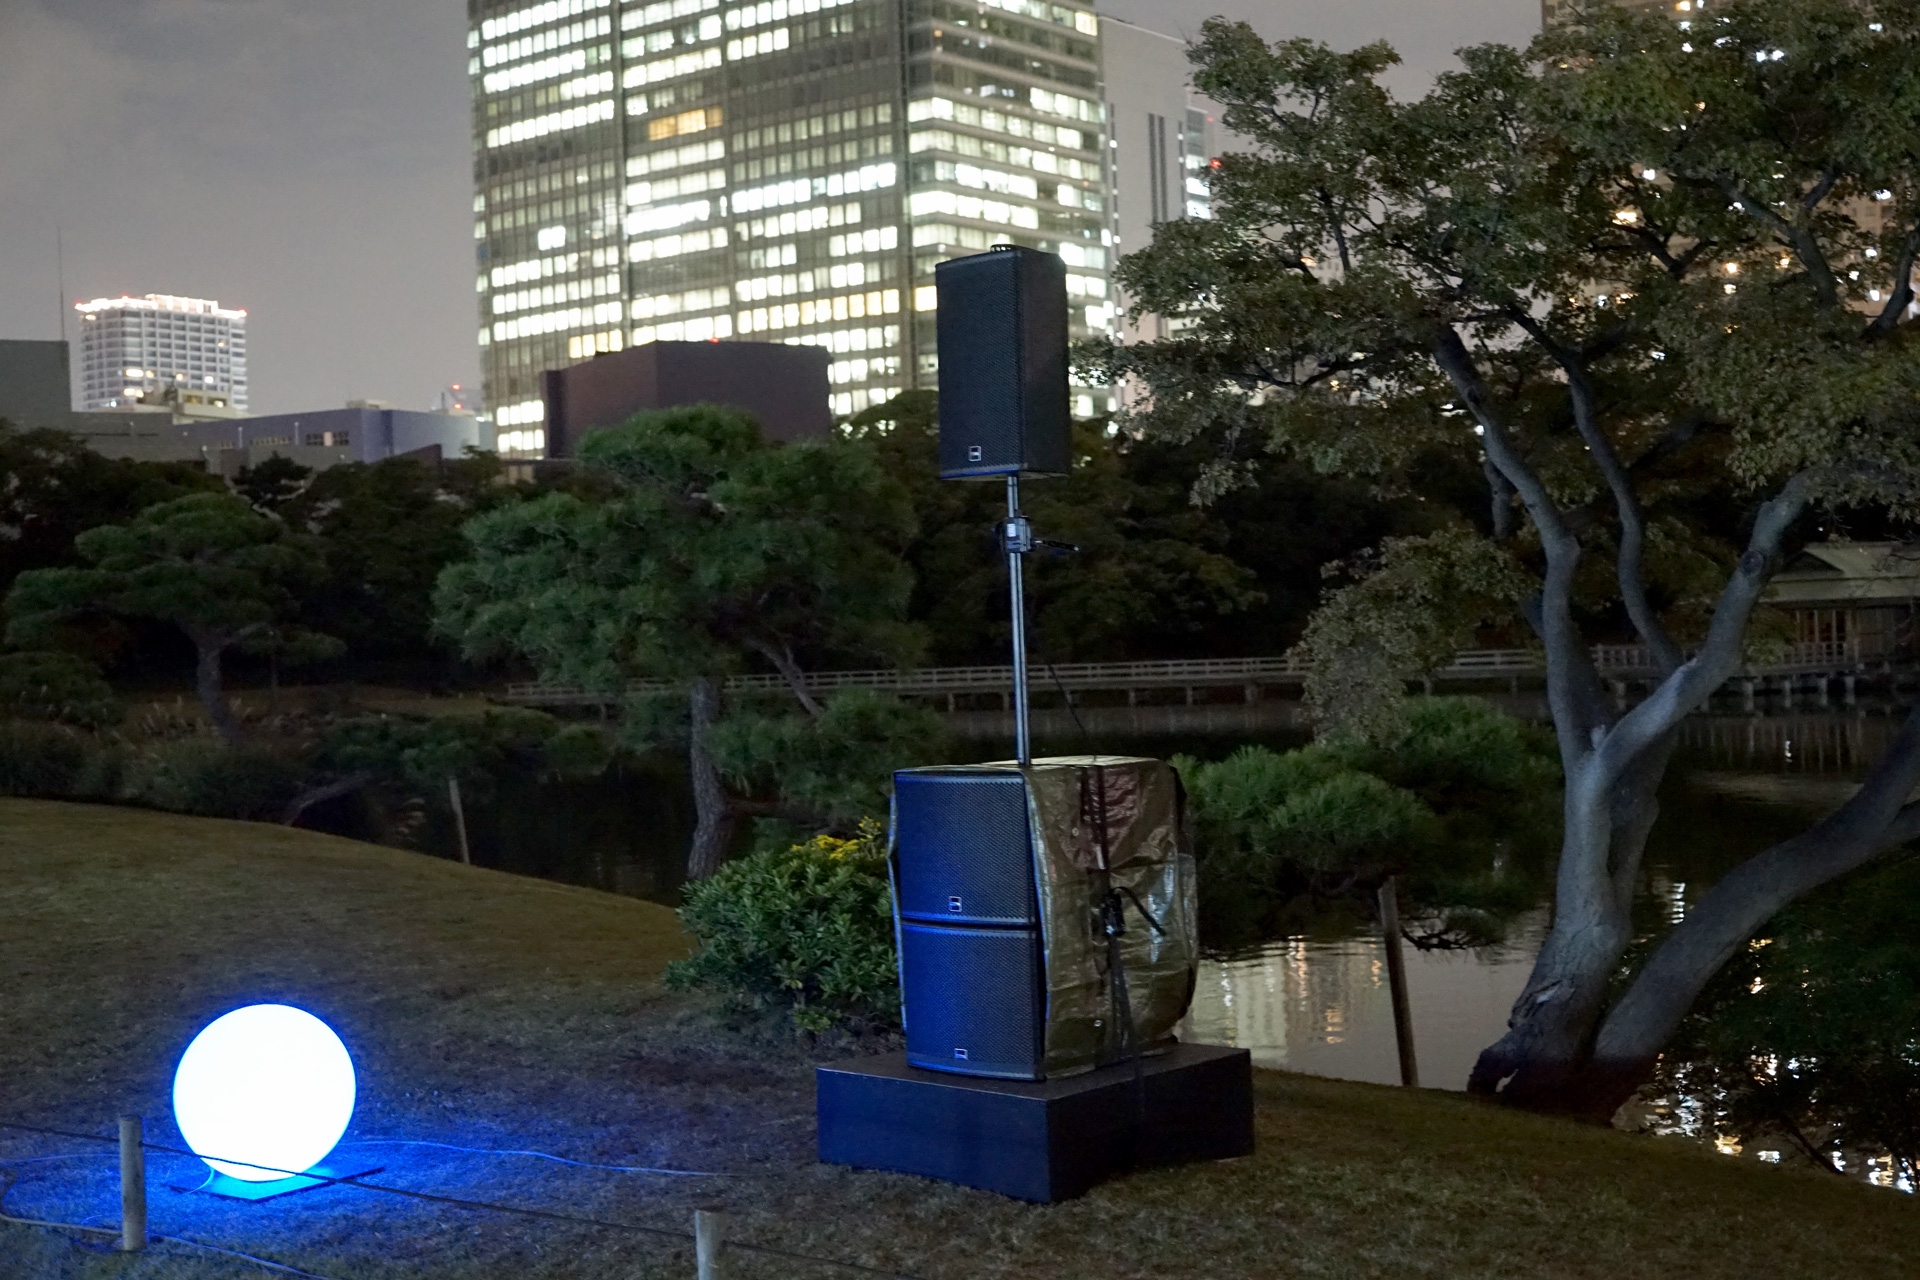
{"x":1812,"y":670}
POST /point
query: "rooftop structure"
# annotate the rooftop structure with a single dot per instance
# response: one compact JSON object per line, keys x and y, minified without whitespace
{"x":784,"y":387}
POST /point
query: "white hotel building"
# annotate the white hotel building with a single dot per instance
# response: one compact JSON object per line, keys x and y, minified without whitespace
{"x":787,"y":171}
{"x":159,"y":348}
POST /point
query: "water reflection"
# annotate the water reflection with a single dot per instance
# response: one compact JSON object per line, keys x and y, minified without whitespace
{"x":1321,"y":1006}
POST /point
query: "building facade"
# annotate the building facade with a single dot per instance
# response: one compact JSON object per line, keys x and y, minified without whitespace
{"x":159,"y":348}
{"x":1163,"y":137}
{"x":1554,"y":13}
{"x":785,"y":171}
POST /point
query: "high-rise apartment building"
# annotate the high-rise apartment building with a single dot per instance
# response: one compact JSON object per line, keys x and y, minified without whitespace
{"x":1555,"y":13}
{"x":159,"y":349}
{"x":785,"y":171}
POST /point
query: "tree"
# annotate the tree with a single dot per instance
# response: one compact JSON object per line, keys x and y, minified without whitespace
{"x":1634,"y":275}
{"x":1154,"y":575}
{"x":696,"y":551}
{"x":386,"y":530}
{"x":208,"y":564}
{"x":53,"y":487}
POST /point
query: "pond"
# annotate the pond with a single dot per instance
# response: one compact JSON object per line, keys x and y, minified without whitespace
{"x":1317,"y":1001}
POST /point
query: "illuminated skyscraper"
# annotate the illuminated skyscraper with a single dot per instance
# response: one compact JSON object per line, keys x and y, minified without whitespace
{"x":155,"y":349}
{"x":785,"y":171}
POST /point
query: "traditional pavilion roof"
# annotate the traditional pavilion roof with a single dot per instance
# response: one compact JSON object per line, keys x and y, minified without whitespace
{"x":1842,"y":573}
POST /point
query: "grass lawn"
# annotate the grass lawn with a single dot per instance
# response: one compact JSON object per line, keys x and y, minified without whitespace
{"x":486,"y":1010}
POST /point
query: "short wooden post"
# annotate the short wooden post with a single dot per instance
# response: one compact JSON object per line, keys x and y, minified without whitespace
{"x":1389,"y":900}
{"x":133,"y":1186}
{"x":459,"y":818}
{"x":709,"y":1242}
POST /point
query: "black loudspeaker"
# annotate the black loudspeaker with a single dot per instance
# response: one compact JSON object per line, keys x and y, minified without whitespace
{"x":1003,"y":364}
{"x":971,"y":969}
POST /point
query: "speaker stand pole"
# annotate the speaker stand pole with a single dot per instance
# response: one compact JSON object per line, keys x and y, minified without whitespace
{"x":1017,"y":537}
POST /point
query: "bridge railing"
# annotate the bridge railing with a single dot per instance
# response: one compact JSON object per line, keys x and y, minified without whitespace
{"x":1612,"y":660}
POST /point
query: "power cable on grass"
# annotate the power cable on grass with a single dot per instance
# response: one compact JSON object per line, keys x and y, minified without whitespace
{"x":547,"y":1215}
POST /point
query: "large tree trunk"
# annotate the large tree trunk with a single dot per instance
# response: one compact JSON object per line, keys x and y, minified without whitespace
{"x":1566,"y":1050}
{"x":1875,"y":819}
{"x":713,"y":810}
{"x":209,"y":688}
{"x":1540,"y":1062}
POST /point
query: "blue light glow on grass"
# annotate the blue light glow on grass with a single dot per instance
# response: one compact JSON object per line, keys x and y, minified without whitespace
{"x":267,"y":1084}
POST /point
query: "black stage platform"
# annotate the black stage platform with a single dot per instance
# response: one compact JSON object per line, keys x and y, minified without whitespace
{"x":1045,"y":1141}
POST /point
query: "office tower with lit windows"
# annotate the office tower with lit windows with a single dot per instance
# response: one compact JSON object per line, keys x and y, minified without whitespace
{"x":1164,"y":139}
{"x":159,"y":349}
{"x":782,"y":171}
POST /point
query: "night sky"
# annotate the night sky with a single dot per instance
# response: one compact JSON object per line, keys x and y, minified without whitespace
{"x":308,"y":160}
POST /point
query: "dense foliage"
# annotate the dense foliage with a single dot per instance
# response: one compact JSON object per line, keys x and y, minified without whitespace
{"x":703,"y":552}
{"x":47,"y":684}
{"x":1460,"y":805}
{"x":806,"y":931}
{"x":1811,"y":1037}
{"x":1155,"y":575}
{"x":208,"y":564}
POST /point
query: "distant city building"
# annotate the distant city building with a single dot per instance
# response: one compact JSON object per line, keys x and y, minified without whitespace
{"x":1555,"y":13}
{"x":34,"y":391}
{"x":1165,"y":138}
{"x":36,"y":394}
{"x":787,"y":171}
{"x":364,"y":431}
{"x":784,"y":387}
{"x":457,"y":398}
{"x":138,"y":351}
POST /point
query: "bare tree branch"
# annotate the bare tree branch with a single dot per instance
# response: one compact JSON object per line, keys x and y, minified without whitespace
{"x":1629,"y":566}
{"x":1707,"y":670}
{"x":1573,"y":685}
{"x":1805,"y":246}
{"x":782,"y":659}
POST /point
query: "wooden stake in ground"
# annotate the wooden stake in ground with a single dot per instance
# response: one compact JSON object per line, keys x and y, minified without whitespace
{"x":459,"y":818}
{"x":133,"y":1186}
{"x":1389,"y":899}
{"x":709,"y":1242}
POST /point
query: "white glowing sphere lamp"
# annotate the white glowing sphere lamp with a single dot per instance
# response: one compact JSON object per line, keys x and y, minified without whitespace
{"x":268,"y":1085}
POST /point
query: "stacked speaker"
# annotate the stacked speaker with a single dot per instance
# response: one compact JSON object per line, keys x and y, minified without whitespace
{"x":971,"y":963}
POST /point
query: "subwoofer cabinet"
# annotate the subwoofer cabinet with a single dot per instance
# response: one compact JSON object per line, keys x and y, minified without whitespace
{"x":1000,"y":873}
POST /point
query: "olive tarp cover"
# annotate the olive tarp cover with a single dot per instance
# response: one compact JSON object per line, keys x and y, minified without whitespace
{"x":1145,"y":856}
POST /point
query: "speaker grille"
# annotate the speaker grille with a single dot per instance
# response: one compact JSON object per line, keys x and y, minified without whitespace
{"x":973,"y":999}
{"x":1002,"y":332}
{"x":963,"y":849}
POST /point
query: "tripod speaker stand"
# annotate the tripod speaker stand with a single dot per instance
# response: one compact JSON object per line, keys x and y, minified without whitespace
{"x":1044,"y":909}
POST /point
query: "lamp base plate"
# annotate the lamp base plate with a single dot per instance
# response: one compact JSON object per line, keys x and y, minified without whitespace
{"x":231,"y":1188}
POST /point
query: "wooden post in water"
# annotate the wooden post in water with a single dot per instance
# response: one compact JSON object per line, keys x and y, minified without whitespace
{"x":133,"y":1186}
{"x":709,"y":1243}
{"x":459,"y":818}
{"x":1389,"y":899}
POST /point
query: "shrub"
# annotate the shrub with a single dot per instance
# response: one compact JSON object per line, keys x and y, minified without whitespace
{"x":48,"y":685}
{"x":38,"y":759}
{"x":1441,"y":803}
{"x":806,"y":930}
{"x":208,"y":777}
